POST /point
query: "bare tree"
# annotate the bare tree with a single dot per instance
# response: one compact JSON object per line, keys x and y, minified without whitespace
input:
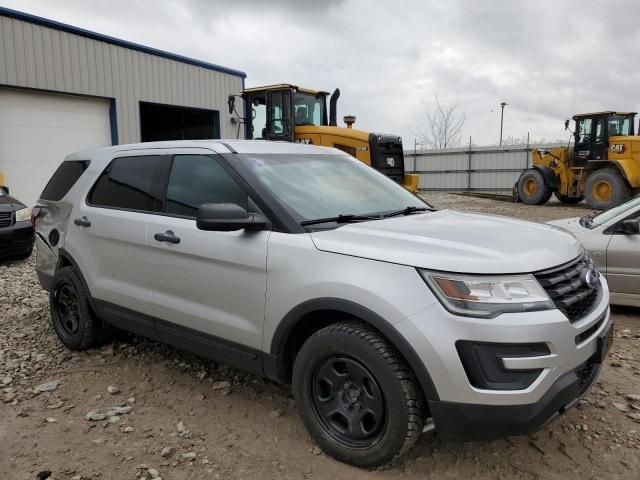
{"x":443,"y":127}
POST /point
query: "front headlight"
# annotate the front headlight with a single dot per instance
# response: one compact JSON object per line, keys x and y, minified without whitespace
{"x":487,"y":296}
{"x":23,"y":215}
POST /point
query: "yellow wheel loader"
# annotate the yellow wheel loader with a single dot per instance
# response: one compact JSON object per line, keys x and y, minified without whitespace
{"x":289,"y":113}
{"x":603,"y":166}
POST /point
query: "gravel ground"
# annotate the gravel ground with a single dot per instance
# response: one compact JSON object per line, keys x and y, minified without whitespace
{"x":137,"y":409}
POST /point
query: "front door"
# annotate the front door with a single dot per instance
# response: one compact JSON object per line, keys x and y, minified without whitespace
{"x":623,"y":264}
{"x":600,"y":140}
{"x":583,"y":147}
{"x":208,"y":288}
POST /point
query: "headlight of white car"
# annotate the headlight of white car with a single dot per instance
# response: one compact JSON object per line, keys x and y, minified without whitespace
{"x":23,"y":215}
{"x":487,"y":296}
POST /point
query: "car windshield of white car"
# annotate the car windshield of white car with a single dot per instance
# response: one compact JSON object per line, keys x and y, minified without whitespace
{"x":607,"y":215}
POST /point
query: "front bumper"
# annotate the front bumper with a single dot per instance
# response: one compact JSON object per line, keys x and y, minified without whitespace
{"x":462,"y":410}
{"x":16,"y":240}
{"x":487,"y":422}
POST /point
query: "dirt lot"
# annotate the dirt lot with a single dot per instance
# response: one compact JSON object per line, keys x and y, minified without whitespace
{"x":186,"y":418}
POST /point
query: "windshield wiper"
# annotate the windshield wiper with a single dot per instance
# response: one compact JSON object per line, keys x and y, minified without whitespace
{"x":342,"y":218}
{"x":408,"y":211}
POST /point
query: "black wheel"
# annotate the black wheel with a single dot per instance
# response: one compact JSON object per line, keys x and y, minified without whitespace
{"x":568,"y":200}
{"x":71,"y":314}
{"x":357,"y":398}
{"x":531,"y":188}
{"x":606,"y":188}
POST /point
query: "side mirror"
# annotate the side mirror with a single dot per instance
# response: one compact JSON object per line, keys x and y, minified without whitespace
{"x":232,"y":103}
{"x":566,"y":124}
{"x":4,"y":190}
{"x":228,"y":217}
{"x":631,"y":226}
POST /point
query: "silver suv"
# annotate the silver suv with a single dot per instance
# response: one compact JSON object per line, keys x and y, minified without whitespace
{"x":304,"y":265}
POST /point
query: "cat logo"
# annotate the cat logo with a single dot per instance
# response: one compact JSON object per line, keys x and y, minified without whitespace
{"x":306,"y":141}
{"x":391,"y":162}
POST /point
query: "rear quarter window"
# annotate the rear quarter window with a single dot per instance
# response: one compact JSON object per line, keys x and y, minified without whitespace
{"x":63,"y":179}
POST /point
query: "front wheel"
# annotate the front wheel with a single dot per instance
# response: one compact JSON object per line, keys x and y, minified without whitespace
{"x":358,"y":399}
{"x":531,"y":188}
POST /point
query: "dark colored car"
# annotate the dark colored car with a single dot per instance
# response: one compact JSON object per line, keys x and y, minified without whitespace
{"x":16,"y":230}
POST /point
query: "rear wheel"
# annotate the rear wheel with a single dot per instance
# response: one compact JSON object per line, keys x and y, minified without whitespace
{"x":532,"y":189}
{"x":357,"y":398}
{"x":606,"y":188}
{"x":568,"y":200}
{"x":72,"y":317}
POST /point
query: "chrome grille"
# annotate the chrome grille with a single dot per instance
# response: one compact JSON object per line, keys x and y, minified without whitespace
{"x":6,"y":219}
{"x":568,"y":290}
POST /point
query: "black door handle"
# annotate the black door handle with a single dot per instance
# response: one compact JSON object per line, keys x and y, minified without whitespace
{"x":82,"y":222}
{"x":167,"y":236}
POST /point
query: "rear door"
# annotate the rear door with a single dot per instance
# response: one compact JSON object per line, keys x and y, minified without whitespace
{"x":208,"y":287}
{"x":108,"y":236}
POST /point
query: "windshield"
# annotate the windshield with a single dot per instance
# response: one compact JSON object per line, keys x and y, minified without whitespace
{"x":607,"y":215}
{"x":324,"y":186}
{"x":308,"y":109}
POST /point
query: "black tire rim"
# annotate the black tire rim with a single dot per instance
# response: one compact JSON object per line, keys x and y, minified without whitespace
{"x":67,"y":309}
{"x":348,"y":402}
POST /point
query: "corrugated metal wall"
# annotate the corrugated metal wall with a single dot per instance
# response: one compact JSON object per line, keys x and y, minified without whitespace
{"x":34,"y":56}
{"x":481,"y":169}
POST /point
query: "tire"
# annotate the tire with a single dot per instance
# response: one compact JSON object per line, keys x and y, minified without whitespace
{"x":606,"y":188}
{"x":72,"y":317}
{"x":568,"y":200}
{"x":531,"y":188}
{"x":348,"y":374}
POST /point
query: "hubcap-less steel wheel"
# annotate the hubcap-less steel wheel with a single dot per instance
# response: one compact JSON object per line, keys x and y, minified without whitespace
{"x":348,"y":401}
{"x":531,"y":186}
{"x":67,"y":308}
{"x":602,"y":191}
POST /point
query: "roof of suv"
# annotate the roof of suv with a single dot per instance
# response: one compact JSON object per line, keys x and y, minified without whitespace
{"x":218,"y":146}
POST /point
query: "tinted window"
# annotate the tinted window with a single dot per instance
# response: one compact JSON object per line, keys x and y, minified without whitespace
{"x":128,"y":183}
{"x":198,"y":179}
{"x":63,"y":179}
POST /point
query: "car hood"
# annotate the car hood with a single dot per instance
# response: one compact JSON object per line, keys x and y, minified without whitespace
{"x":9,"y":204}
{"x":570,"y":224}
{"x":454,"y":241}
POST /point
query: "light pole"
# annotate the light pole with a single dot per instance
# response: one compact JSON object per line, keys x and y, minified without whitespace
{"x":502,"y":105}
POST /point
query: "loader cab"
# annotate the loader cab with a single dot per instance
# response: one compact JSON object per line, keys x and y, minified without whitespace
{"x":593,"y":130}
{"x":274,"y":111}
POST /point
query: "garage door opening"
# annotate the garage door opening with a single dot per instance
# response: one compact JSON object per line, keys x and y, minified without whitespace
{"x":167,"y":122}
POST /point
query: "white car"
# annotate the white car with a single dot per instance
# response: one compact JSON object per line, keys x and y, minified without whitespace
{"x":613,"y":240}
{"x":304,"y":265}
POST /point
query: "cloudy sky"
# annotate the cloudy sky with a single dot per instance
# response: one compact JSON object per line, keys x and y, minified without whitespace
{"x":546,"y":59}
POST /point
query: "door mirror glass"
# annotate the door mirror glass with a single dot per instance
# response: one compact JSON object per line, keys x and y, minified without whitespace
{"x":228,"y":217}
{"x":4,"y":191}
{"x":631,"y":226}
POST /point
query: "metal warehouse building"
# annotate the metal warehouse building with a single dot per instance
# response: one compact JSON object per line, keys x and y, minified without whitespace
{"x":64,"y":89}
